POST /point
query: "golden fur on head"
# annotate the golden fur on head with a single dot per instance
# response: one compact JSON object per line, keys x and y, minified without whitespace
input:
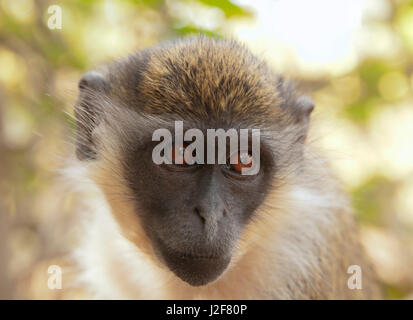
{"x":198,"y":77}
{"x":299,"y":243}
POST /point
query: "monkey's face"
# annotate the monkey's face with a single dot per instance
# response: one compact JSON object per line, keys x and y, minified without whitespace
{"x":195,"y":214}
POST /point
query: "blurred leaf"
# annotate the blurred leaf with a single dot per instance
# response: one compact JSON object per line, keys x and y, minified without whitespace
{"x":154,"y":4}
{"x":361,"y":110}
{"x":186,"y":30}
{"x":372,"y":200}
{"x":370,"y":73}
{"x":404,"y":23}
{"x":395,"y":293}
{"x":230,"y":9}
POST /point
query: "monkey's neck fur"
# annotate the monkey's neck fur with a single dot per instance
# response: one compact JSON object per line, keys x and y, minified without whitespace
{"x":301,"y":248}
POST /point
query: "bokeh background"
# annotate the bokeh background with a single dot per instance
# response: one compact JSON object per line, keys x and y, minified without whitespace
{"x":355,"y":57}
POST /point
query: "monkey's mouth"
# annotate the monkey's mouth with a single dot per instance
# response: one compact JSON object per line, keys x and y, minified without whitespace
{"x":194,"y":269}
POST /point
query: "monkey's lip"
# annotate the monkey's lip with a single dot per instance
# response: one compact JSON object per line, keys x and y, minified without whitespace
{"x":188,"y":255}
{"x":185,"y":255}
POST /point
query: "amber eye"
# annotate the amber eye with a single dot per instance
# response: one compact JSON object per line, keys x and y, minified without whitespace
{"x":178,"y":155}
{"x":243,"y":161}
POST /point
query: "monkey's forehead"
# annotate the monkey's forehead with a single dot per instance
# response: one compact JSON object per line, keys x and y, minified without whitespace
{"x":200,"y":77}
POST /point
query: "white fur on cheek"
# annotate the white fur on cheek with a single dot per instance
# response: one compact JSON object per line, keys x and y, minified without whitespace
{"x":110,"y":266}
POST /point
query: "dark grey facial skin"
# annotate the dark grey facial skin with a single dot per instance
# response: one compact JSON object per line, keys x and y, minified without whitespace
{"x":194,"y":215}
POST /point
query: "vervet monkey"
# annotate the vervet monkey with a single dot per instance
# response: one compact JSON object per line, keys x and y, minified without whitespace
{"x":204,"y":231}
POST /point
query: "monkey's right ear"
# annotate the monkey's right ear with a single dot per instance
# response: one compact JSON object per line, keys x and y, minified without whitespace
{"x":91,"y":87}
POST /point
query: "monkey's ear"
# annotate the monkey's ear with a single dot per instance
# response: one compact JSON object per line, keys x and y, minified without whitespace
{"x":91,"y":86}
{"x":302,"y":109}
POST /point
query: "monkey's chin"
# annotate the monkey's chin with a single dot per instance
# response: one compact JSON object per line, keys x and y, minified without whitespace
{"x":197,"y":271}
{"x":194,"y":270}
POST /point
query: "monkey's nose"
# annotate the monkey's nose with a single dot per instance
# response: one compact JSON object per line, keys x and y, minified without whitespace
{"x":210,"y":217}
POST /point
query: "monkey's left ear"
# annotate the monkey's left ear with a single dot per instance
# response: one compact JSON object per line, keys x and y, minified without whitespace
{"x":87,"y":113}
{"x":302,"y":109}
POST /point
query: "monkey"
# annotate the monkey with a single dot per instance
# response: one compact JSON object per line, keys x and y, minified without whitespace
{"x":203,"y":231}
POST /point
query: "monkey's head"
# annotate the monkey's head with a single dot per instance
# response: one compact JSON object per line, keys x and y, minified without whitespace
{"x":192,"y":218}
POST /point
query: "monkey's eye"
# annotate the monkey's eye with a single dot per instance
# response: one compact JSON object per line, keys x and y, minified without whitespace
{"x":240,"y":162}
{"x":181,"y":156}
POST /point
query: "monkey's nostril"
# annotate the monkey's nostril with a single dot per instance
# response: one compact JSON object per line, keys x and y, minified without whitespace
{"x":198,"y":212}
